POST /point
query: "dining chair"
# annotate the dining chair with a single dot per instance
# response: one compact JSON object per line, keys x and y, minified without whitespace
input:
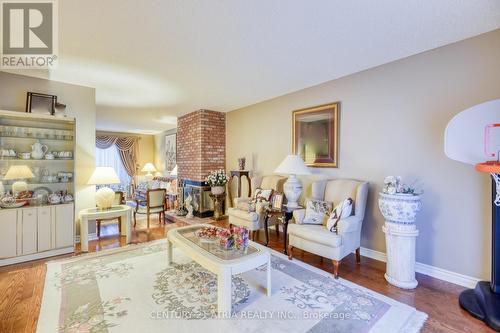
{"x":154,"y":204}
{"x":118,"y":200}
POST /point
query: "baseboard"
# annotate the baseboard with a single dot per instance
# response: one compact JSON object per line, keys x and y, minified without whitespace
{"x":36,"y":256}
{"x":92,"y":236}
{"x":435,"y":272}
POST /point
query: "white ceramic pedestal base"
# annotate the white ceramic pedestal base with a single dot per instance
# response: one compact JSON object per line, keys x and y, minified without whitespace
{"x":292,"y":189}
{"x":400,"y":242}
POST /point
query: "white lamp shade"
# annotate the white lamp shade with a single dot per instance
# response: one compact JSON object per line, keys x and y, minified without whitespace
{"x":174,"y":171}
{"x":149,"y":167}
{"x":292,"y":165}
{"x":103,"y":176}
{"x":19,"y":172}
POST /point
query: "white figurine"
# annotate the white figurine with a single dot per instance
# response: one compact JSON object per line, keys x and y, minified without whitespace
{"x":189,"y":207}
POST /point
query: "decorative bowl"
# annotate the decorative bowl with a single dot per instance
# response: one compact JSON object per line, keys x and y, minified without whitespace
{"x":399,"y":208}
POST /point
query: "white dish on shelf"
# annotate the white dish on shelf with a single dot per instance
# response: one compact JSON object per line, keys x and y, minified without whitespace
{"x":41,"y":191}
{"x":16,"y":204}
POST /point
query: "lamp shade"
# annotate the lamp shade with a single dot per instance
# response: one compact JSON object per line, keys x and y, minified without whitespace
{"x":19,"y":172}
{"x":292,"y":165}
{"x":103,"y":176}
{"x":174,"y":171}
{"x":149,"y":167}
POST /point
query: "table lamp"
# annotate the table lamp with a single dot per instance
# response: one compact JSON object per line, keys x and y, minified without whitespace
{"x":19,"y":173}
{"x":292,"y":165}
{"x":149,"y":168}
{"x":104,"y":197}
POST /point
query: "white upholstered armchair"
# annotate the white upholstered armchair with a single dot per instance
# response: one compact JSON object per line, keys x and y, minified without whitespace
{"x":318,"y":239}
{"x":254,"y":221}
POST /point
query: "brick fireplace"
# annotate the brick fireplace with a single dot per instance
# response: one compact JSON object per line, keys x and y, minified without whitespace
{"x":201,"y":148}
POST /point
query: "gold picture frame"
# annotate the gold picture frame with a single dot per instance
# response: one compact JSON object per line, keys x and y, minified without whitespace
{"x":277,"y":201}
{"x":315,"y":135}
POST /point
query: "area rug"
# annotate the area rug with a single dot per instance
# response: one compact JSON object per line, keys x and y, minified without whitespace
{"x":132,"y":290}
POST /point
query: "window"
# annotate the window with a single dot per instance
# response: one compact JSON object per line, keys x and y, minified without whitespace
{"x":110,"y":157}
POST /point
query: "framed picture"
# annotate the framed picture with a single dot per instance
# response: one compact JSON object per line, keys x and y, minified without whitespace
{"x":315,"y":135}
{"x":277,"y":201}
{"x":43,"y":103}
{"x":170,"y":151}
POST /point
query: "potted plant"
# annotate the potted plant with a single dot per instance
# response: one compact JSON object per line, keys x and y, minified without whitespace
{"x":398,"y":202}
{"x":217,"y":180}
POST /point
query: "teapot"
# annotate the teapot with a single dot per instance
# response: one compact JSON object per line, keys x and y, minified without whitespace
{"x":54,"y":199}
{"x":38,"y":150}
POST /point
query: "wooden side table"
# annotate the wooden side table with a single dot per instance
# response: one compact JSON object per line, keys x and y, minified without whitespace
{"x":284,"y":216}
{"x":218,"y":205}
{"x":239,"y":174}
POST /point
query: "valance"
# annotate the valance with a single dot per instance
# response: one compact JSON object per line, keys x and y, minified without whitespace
{"x":127,"y":147}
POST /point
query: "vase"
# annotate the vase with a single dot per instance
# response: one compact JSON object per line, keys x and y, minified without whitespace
{"x":241,"y":163}
{"x":400,"y":212}
{"x":218,"y":190}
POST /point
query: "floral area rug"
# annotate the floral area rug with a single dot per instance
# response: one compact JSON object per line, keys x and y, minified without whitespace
{"x":132,"y":290}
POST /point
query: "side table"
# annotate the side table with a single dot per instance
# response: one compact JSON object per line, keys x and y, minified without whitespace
{"x":284,"y":215}
{"x":239,"y":174}
{"x":123,"y":212}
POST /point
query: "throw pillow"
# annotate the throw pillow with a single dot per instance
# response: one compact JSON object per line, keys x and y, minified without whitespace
{"x":316,"y":212}
{"x":260,"y":206}
{"x":341,"y":211}
{"x":261,"y":194}
{"x":243,"y":205}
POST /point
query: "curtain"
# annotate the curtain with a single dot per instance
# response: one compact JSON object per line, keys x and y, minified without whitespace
{"x":127,"y":148}
{"x":110,"y":157}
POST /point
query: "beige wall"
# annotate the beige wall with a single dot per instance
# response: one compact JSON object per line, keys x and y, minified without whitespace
{"x":392,"y":123}
{"x":146,"y":150}
{"x":159,"y":143}
{"x":80,"y":103}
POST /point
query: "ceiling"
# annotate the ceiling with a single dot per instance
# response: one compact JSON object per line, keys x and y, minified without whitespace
{"x":153,"y":60}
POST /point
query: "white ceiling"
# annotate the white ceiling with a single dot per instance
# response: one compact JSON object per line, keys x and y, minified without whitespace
{"x":151,"y":61}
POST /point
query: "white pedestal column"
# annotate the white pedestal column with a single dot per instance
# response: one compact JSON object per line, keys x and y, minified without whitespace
{"x":400,"y":242}
{"x":400,"y":212}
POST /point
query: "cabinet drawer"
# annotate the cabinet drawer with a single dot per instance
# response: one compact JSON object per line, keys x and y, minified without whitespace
{"x":44,"y":217}
{"x":29,"y":231}
{"x":8,"y":233}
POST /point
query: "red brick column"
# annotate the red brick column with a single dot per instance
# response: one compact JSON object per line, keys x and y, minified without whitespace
{"x":201,"y":144}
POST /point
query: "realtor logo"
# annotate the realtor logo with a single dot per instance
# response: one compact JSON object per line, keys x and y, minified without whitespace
{"x":28,"y":34}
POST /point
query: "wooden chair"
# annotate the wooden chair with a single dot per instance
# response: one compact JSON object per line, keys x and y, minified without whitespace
{"x":119,"y":200}
{"x":155,"y":203}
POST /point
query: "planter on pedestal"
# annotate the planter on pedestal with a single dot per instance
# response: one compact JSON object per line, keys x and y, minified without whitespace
{"x":218,"y":190}
{"x":400,"y":211}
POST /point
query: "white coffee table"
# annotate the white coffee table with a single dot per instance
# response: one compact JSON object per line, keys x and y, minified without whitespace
{"x":223,"y":263}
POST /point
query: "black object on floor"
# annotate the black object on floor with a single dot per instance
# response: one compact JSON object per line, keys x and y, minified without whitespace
{"x":483,"y":302}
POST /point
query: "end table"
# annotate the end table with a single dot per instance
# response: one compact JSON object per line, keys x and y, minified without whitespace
{"x":284,"y":214}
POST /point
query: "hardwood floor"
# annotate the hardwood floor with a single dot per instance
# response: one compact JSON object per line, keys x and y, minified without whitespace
{"x":21,"y":285}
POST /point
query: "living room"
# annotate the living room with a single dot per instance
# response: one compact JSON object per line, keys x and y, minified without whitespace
{"x":323,"y":167}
